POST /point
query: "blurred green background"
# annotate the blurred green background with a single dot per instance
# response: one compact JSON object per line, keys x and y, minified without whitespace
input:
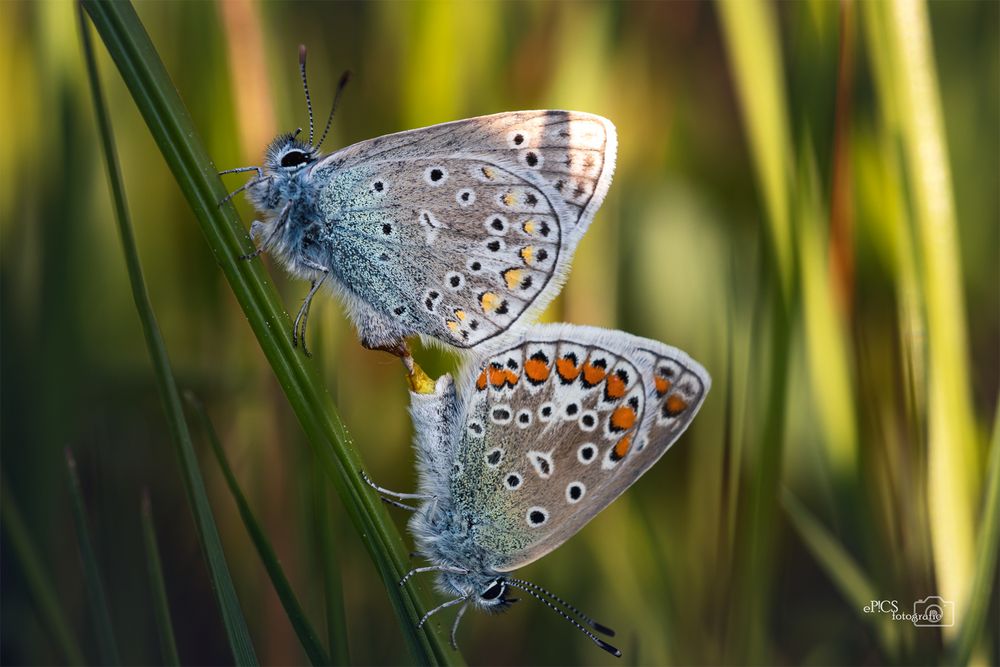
{"x":806,"y":201}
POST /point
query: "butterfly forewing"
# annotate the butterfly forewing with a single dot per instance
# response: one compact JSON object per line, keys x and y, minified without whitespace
{"x":560,"y":425}
{"x":571,"y":152}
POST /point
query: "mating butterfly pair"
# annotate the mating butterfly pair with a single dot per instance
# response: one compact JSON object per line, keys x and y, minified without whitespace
{"x":461,"y":232}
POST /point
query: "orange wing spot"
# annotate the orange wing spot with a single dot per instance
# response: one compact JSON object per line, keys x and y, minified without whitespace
{"x":567,"y":370}
{"x":498,"y":376}
{"x":622,"y":418}
{"x":481,"y":381}
{"x":537,"y":370}
{"x":675,"y":405}
{"x":528,"y":254}
{"x":622,"y":447}
{"x":487,"y":173}
{"x":453,"y":325}
{"x":513,"y":277}
{"x":593,"y":374}
{"x":615,"y":387}
{"x":511,"y":378}
{"x":489,"y":301}
{"x":460,"y":314}
{"x":662,"y":385}
{"x":508,"y":199}
{"x":529,"y":227}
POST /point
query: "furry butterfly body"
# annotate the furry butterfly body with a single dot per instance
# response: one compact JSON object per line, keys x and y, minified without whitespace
{"x":453,"y":232}
{"x":540,"y":434}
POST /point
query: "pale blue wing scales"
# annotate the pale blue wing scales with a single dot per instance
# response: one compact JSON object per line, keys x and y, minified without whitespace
{"x":454,"y":248}
{"x":533,"y":484}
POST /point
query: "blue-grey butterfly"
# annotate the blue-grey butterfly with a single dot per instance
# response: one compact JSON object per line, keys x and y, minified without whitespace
{"x":454,"y":231}
{"x":541,"y":433}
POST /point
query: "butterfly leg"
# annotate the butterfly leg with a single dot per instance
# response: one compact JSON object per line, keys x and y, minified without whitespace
{"x":299,"y":328}
{"x":432,"y":568}
{"x":256,"y":230}
{"x":394,"y":494}
{"x":395,"y":503}
{"x":454,"y":626}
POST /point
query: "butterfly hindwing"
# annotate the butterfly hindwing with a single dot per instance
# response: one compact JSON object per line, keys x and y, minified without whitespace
{"x":557,"y":425}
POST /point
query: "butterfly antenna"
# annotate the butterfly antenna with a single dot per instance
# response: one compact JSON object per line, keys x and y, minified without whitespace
{"x":305,"y":87}
{"x":594,"y":638}
{"x":344,"y":79}
{"x":445,"y":605}
{"x":586,"y":619}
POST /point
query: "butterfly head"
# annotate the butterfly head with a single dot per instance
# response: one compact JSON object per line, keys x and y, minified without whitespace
{"x":287,"y":154}
{"x":488,"y":592}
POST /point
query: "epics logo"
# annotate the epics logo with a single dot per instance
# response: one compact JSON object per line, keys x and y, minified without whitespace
{"x":882,"y":607}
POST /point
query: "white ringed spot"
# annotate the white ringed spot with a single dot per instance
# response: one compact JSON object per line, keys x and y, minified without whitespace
{"x":536,"y":516}
{"x":435,"y":176}
{"x":465,"y":197}
{"x":588,"y":421}
{"x":575,"y":492}
{"x":513,"y":481}
{"x":542,"y":463}
{"x":500,"y":414}
{"x":494,"y":457}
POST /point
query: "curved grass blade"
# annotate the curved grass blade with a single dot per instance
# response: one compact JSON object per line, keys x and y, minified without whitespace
{"x":161,"y":606}
{"x":174,"y":133}
{"x":39,"y":583}
{"x":232,"y":615}
{"x":843,"y":571}
{"x":92,"y":576}
{"x":296,"y":616}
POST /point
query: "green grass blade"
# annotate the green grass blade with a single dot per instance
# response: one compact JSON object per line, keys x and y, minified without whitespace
{"x":843,"y":571}
{"x":954,"y":468}
{"x":304,"y":631}
{"x":333,"y":592}
{"x":161,"y":607}
{"x":39,"y":583}
{"x":96,"y":596}
{"x":232,"y":615}
{"x":986,"y":558}
{"x":171,"y":127}
{"x":750,"y":29}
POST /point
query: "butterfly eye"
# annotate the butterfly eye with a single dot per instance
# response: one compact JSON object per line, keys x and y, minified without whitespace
{"x":293,"y":159}
{"x":494,"y":591}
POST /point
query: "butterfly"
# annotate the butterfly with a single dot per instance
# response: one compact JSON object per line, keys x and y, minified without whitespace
{"x":537,"y":436}
{"x":454,"y":232}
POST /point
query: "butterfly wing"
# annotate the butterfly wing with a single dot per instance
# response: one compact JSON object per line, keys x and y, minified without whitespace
{"x":571,"y":152}
{"x":458,"y":230}
{"x":557,"y":425}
